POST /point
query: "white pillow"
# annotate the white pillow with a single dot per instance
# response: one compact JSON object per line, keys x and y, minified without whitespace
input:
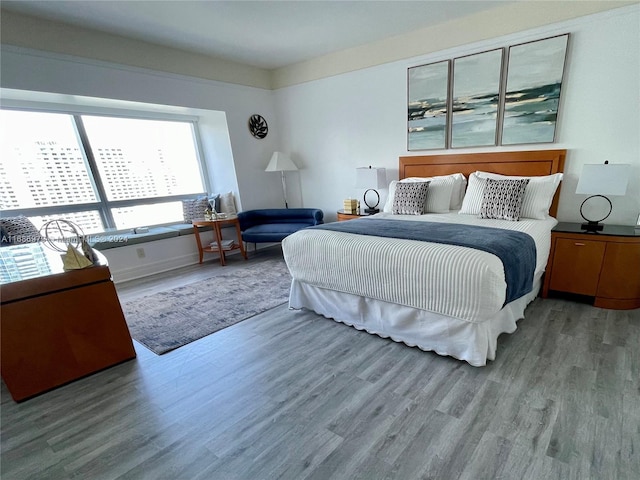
{"x":537,"y":199}
{"x":227,"y":203}
{"x":439,"y":195}
{"x":472,"y":200}
{"x":458,"y":191}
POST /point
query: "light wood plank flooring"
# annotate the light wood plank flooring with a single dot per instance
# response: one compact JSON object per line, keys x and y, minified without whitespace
{"x":291,"y":395}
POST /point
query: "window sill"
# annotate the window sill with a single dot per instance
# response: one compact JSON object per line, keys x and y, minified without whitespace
{"x":105,"y":241}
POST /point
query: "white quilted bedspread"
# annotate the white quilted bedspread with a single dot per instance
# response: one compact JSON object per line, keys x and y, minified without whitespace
{"x":459,"y":282}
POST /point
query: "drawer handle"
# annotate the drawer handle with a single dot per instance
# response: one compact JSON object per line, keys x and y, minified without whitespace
{"x":579,"y":244}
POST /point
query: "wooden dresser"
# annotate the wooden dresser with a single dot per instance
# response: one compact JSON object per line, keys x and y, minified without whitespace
{"x":56,"y":326}
{"x":603,"y":265}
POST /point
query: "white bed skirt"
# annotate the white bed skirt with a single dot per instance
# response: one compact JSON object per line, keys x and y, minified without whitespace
{"x":473,"y":342}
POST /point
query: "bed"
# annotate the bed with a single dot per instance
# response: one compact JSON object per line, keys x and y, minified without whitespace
{"x":447,"y":297}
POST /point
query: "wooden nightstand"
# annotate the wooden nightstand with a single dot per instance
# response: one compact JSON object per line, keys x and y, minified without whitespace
{"x":603,"y":265}
{"x":342,"y":215}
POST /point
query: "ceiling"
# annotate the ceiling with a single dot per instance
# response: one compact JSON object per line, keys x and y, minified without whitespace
{"x":267,"y":34}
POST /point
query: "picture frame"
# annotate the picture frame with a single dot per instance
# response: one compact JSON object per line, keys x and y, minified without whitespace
{"x":535,"y":72}
{"x":477,"y":87}
{"x":428,"y":90}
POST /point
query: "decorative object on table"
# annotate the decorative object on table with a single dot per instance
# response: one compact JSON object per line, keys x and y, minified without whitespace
{"x":350,"y":206}
{"x":73,"y":259}
{"x":167,"y":320}
{"x":534,"y":80}
{"x":258,"y":126}
{"x":67,"y":237}
{"x":371,"y":179}
{"x":428,"y":106}
{"x":599,"y":180}
{"x":281,"y":162}
{"x":476,"y":99}
{"x":225,"y":244}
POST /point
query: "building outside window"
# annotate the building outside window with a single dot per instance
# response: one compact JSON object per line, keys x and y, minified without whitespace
{"x":101,"y":172}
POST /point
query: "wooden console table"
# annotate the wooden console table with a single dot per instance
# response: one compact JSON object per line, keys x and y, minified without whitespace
{"x":56,"y":326}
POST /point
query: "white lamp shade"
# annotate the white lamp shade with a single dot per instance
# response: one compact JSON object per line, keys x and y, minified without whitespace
{"x":280,"y":162}
{"x":604,"y":179}
{"x":368,"y":177}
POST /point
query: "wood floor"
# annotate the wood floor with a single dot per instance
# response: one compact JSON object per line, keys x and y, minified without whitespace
{"x":291,"y":395}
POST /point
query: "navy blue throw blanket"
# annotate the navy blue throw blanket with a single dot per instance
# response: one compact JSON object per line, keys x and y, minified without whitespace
{"x":517,"y":250}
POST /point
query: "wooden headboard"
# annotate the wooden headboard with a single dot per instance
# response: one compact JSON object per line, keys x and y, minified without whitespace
{"x":525,"y":163}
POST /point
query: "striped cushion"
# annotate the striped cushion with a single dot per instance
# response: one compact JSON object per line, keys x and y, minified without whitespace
{"x":194,"y":209}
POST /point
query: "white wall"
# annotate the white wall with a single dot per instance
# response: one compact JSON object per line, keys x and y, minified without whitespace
{"x":336,"y":124}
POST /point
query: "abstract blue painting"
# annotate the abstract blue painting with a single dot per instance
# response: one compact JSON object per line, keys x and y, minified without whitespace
{"x":476,"y":99}
{"x":534,"y":80}
{"x":428,"y":106}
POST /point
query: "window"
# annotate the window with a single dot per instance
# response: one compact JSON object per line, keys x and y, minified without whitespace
{"x":97,"y":171}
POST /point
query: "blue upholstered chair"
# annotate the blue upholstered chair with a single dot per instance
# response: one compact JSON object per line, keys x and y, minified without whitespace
{"x":273,"y":224}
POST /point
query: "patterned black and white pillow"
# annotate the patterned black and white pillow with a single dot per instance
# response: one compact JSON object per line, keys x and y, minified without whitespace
{"x":410,"y":198}
{"x":194,"y":209}
{"x":502,"y":199}
{"x":17,"y":230}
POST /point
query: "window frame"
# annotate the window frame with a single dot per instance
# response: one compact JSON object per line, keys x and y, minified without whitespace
{"x":104,"y":206}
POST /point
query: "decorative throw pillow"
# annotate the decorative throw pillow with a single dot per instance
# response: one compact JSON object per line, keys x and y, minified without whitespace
{"x":194,"y":209}
{"x":17,"y":230}
{"x":409,"y":198}
{"x":503,"y":199}
{"x":227,"y":204}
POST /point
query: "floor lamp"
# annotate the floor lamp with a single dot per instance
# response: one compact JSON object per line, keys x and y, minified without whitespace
{"x":280,"y":162}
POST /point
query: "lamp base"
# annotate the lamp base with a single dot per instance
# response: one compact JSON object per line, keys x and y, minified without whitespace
{"x":592,"y":227}
{"x":371,"y":211}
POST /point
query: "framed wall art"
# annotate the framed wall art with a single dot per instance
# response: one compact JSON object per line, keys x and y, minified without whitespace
{"x":476,"y":99}
{"x":534,"y":79}
{"x":428,"y":96}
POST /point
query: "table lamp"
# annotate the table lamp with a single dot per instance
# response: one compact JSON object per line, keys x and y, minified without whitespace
{"x":371,"y":179}
{"x":599,"y":180}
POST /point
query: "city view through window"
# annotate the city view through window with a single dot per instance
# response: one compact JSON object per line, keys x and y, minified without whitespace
{"x":102,"y":173}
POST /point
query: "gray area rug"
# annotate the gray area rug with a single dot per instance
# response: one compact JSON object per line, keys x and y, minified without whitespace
{"x":168,"y":320}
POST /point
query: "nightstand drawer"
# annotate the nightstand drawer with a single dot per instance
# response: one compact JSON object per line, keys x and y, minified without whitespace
{"x":577,"y":265}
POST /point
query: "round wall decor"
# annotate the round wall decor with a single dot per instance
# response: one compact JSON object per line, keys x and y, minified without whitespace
{"x":258,"y":126}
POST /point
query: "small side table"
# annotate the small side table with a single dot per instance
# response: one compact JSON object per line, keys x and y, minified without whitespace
{"x":342,"y":215}
{"x":217,"y":225}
